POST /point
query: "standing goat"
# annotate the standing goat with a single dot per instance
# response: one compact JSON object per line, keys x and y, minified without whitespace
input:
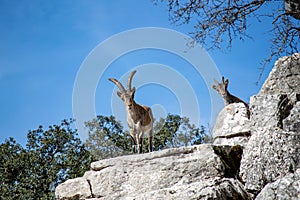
{"x":139,"y":117}
{"x":228,"y":98}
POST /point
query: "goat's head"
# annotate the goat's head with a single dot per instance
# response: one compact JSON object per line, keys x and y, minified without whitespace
{"x":127,"y":96}
{"x":221,"y":88}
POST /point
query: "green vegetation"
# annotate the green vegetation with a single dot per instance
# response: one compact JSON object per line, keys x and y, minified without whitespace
{"x":108,"y":139}
{"x":51,"y":156}
{"x":56,"y":154}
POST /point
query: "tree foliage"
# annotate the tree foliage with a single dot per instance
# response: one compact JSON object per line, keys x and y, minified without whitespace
{"x":165,"y":130}
{"x":13,"y":169}
{"x":189,"y":134}
{"x":108,"y":139}
{"x":176,"y":131}
{"x":51,"y":156}
{"x":221,"y":21}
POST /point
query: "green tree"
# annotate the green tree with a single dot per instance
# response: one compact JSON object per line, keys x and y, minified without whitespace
{"x":107,"y":138}
{"x":165,"y":132}
{"x":13,"y":170}
{"x":208,"y":138}
{"x":51,"y":156}
{"x":176,"y":131}
{"x":189,"y":134}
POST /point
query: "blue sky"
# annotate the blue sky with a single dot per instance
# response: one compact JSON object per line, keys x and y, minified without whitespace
{"x":44,"y":44}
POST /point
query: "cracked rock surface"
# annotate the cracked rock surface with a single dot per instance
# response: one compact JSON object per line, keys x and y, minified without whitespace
{"x":284,"y":77}
{"x":287,"y":187}
{"x":202,"y":171}
{"x":274,"y":146}
{"x":74,"y":189}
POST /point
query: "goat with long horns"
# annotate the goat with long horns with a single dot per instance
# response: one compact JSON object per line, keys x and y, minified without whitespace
{"x":139,"y":117}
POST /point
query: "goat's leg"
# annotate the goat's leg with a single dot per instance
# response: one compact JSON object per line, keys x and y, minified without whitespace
{"x":150,"y":141}
{"x":140,"y":145}
{"x":133,"y":144}
{"x":134,"y":140}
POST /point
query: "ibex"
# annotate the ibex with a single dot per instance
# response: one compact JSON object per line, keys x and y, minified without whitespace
{"x":228,"y":98}
{"x":139,"y":117}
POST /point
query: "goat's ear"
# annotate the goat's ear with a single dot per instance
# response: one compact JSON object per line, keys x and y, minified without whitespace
{"x":214,"y":87}
{"x":119,"y":94}
{"x":227,"y":81}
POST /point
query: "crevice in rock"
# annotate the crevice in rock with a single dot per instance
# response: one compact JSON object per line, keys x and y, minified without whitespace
{"x":254,"y":193}
{"x":91,"y":188}
{"x":241,"y":134}
{"x":76,"y":197}
{"x":297,"y":97}
{"x":101,"y":167}
{"x":284,"y":108}
{"x":231,"y":158}
{"x":289,"y":75}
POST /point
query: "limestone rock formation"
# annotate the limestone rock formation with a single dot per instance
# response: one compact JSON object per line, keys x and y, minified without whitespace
{"x":273,"y":149}
{"x":232,"y":125}
{"x":198,"y":172}
{"x":284,"y":77}
{"x":287,"y":187}
{"x":292,"y":122}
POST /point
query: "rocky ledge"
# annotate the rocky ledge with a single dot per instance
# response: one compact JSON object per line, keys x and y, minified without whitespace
{"x":196,"y":172}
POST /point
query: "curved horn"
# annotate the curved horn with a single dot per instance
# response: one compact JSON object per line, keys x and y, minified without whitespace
{"x":129,"y":80}
{"x":115,"y":81}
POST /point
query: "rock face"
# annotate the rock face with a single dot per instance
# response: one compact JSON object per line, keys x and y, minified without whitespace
{"x":232,"y":126}
{"x":274,"y":147}
{"x":284,"y":77}
{"x":198,"y":172}
{"x":74,"y":189}
{"x":256,"y":158}
{"x":287,"y":187}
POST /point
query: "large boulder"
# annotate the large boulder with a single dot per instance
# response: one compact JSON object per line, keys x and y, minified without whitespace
{"x":232,"y":125}
{"x":203,"y":171}
{"x":273,"y":149}
{"x":74,"y":189}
